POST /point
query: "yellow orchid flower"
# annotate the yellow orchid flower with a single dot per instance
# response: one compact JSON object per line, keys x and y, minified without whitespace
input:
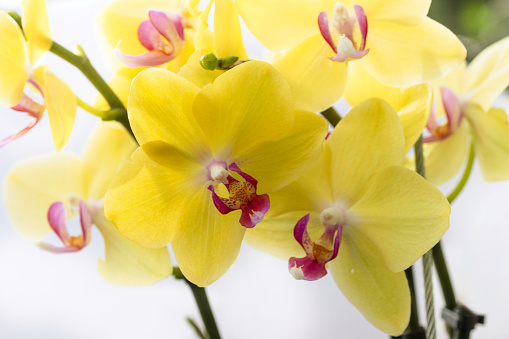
{"x":207,"y":160}
{"x":49,"y":187}
{"x":360,"y":211}
{"x":148,"y":33}
{"x":413,"y":104}
{"x":463,"y":100}
{"x":20,"y":55}
{"x":392,"y":40}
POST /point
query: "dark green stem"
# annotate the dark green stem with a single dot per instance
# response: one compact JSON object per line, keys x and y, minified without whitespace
{"x":332,"y":116}
{"x":465,"y":176}
{"x":443,"y":275}
{"x":414,"y":324}
{"x":203,"y":305}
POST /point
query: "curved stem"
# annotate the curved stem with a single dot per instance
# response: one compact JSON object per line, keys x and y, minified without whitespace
{"x":203,"y":305}
{"x":332,"y":116}
{"x":468,"y":169}
{"x":110,"y":114}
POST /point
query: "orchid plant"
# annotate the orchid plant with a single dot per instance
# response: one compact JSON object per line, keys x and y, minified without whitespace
{"x":202,"y":147}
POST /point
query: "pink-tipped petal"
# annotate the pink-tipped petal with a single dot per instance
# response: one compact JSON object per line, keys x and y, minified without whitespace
{"x":452,"y":108}
{"x":306,"y":268}
{"x":219,"y":203}
{"x":56,"y":249}
{"x":172,"y":30}
{"x":30,"y":107}
{"x":150,"y":37}
{"x":233,"y":167}
{"x":337,"y":242}
{"x":300,"y":234}
{"x":148,"y":59}
{"x":86,"y":223}
{"x":255,"y":211}
{"x":363,"y":25}
{"x":56,"y":219}
{"x":323,"y":25}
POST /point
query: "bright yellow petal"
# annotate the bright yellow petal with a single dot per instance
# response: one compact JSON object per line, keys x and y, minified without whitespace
{"x":455,"y":80}
{"x":382,"y":296}
{"x":407,"y":12}
{"x":159,"y":108}
{"x":443,"y":159}
{"x":245,"y":106}
{"x":316,"y":81}
{"x":127,"y":263}
{"x":13,"y":61}
{"x":491,"y":140}
{"x":282,"y":24}
{"x":402,"y":56}
{"x":403,"y":215}
{"x":413,"y":104}
{"x":145,"y":198}
{"x":193,"y":72}
{"x":275,"y":164}
{"x":36,"y":28}
{"x":274,"y":235}
{"x":108,"y":148}
{"x":369,"y":138}
{"x":33,"y":185}
{"x":181,"y":59}
{"x":488,"y":74}
{"x":227,"y":35}
{"x":204,"y":40}
{"x":61,"y":104}
{"x":208,"y":242}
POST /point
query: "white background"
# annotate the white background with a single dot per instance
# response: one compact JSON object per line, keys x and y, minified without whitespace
{"x":43,"y":295}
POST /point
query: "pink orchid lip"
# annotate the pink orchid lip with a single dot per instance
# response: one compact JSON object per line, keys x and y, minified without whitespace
{"x":242,"y":196}
{"x":346,"y":50}
{"x":162,"y":35}
{"x":318,"y":254}
{"x":32,"y":108}
{"x":453,"y":114}
{"x":57,"y":221}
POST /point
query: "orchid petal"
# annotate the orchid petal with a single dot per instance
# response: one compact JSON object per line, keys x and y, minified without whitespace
{"x":149,"y":36}
{"x":227,"y":33}
{"x":33,"y":109}
{"x":405,"y":12}
{"x":36,"y":28}
{"x":148,"y":59}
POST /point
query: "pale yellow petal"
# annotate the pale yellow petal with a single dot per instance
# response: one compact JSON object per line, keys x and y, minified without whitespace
{"x":382,"y":296}
{"x":316,"y":81}
{"x":159,"y":108}
{"x":245,"y":106}
{"x":145,"y":198}
{"x":109,"y":147}
{"x":403,"y":215}
{"x":402,"y":56}
{"x":208,"y":242}
{"x":488,"y":74}
{"x":13,"y":61}
{"x":277,"y":163}
{"x":36,"y":28}
{"x":282,"y":24}
{"x":491,"y":140}
{"x":414,"y":112}
{"x":34,"y":184}
{"x":274,"y":235}
{"x":443,"y":159}
{"x":126,"y":262}
{"x":227,"y":34}
{"x":183,"y":56}
{"x":409,"y":12}
{"x":194,"y":73}
{"x":61,"y":104}
{"x":369,"y":138}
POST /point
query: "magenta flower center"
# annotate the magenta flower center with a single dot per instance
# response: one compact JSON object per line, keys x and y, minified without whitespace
{"x":440,"y":131}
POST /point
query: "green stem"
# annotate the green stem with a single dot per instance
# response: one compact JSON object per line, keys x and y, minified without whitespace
{"x":332,"y":116}
{"x":413,"y":325}
{"x":110,"y":114}
{"x":464,"y":178}
{"x":203,"y":305}
{"x":443,"y":275}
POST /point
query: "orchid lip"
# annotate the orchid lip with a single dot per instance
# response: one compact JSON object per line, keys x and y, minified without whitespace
{"x":242,"y":194}
{"x":453,"y":115}
{"x":318,"y":253}
{"x":347,"y":48}
{"x":57,"y":221}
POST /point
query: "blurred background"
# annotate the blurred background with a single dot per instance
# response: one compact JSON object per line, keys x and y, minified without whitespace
{"x":43,"y":295}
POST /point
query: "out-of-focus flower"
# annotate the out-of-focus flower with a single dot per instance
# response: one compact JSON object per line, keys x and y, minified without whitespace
{"x":40,"y":194}
{"x":207,"y":160}
{"x":392,"y":40}
{"x":20,"y":55}
{"x":360,"y":211}
{"x":463,"y":111}
{"x":148,"y":33}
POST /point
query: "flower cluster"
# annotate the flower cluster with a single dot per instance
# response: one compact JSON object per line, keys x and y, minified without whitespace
{"x":224,"y":148}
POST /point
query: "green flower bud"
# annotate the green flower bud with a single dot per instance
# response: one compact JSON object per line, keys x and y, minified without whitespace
{"x":209,"y":61}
